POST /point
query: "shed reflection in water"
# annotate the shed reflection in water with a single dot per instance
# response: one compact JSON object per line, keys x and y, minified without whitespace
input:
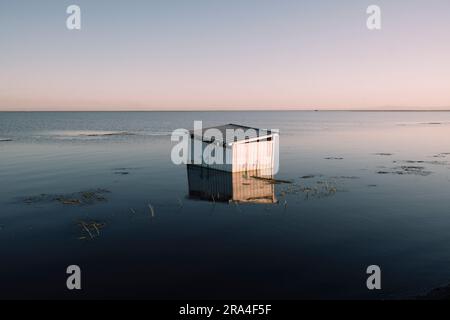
{"x":220,"y":186}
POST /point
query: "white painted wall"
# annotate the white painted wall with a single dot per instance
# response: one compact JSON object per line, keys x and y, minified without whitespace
{"x":253,"y":156}
{"x":239,"y":157}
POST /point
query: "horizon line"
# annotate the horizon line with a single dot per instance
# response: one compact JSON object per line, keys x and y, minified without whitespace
{"x":241,"y":110}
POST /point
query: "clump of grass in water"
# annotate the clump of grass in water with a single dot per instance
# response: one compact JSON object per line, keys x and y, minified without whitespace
{"x":407,"y":170}
{"x":90,"y":229}
{"x":437,"y":163}
{"x":88,"y":197}
{"x":152,"y":210}
{"x":320,"y":189}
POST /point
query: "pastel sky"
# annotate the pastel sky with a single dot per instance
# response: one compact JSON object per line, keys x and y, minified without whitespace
{"x":227,"y":54}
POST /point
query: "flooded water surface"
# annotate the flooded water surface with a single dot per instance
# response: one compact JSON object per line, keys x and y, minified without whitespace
{"x":99,"y":190}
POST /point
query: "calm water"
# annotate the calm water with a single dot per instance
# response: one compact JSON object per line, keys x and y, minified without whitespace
{"x":369,"y":188}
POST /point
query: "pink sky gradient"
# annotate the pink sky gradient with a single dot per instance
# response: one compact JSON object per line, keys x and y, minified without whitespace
{"x":289,"y":56}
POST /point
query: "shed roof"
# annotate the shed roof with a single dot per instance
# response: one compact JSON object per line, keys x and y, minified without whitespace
{"x":244,"y":133}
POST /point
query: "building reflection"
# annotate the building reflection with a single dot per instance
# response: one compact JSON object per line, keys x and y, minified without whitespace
{"x":220,"y":186}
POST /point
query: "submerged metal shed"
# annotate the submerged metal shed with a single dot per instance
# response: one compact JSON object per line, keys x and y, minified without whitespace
{"x":234,"y":148}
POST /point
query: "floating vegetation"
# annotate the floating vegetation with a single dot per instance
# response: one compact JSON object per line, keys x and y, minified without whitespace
{"x":417,"y":170}
{"x":272,"y":181}
{"x":90,"y":229}
{"x":407,"y":170}
{"x":410,"y":161}
{"x":442,"y":155}
{"x":91,"y":197}
{"x":384,"y":154}
{"x":334,"y":158}
{"x":346,"y":178}
{"x":70,"y":201}
{"x":437,"y":163}
{"x":310,"y":176}
{"x":320,"y":189}
{"x":122,"y":173}
{"x":88,"y":197}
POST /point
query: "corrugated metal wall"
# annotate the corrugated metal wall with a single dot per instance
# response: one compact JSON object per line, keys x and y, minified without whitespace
{"x":226,"y":159}
{"x":240,"y":157}
{"x":252,"y":156}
